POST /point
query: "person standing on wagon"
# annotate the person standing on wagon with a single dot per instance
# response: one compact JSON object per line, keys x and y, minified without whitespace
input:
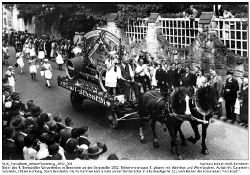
{"x":111,"y":74}
{"x":46,"y":67}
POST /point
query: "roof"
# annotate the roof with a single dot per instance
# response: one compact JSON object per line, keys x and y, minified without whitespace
{"x":153,"y":17}
{"x":206,"y":17}
{"x":111,"y":17}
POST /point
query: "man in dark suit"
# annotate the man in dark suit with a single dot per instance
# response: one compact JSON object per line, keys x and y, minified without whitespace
{"x":187,"y":79}
{"x":159,"y":76}
{"x":218,"y":83}
{"x":84,"y":132}
{"x":65,"y":134}
{"x":231,"y":88}
{"x":10,"y":150}
{"x":171,"y":75}
{"x":47,"y":47}
{"x":178,"y":73}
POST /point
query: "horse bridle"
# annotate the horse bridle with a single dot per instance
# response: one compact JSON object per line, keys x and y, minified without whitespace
{"x":200,"y":110}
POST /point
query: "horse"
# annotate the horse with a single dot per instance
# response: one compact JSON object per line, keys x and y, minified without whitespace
{"x":206,"y":104}
{"x":170,"y":111}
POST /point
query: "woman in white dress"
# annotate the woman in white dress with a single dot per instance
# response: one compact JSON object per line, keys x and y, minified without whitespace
{"x":20,"y":62}
{"x":53,"y":50}
{"x":111,"y":74}
{"x":41,"y":53}
{"x":27,"y":48}
{"x":59,"y":60}
{"x":33,"y":51}
{"x":46,"y":67}
{"x":33,"y":69}
{"x":10,"y":74}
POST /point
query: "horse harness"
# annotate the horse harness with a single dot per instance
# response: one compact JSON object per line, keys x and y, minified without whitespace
{"x":167,"y":106}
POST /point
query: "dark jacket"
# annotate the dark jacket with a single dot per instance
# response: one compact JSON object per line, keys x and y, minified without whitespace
{"x":234,"y":87}
{"x":171,"y":77}
{"x":187,"y":81}
{"x":178,"y":73}
{"x":10,"y":151}
{"x":65,"y":134}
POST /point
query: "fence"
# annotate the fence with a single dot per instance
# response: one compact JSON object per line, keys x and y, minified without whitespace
{"x":180,"y":32}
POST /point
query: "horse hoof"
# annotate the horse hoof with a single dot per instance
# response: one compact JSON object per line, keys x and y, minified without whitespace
{"x":156,"y":145}
{"x":143,"y":141}
{"x":184,"y":143}
{"x":191,"y":139}
{"x":204,"y":151}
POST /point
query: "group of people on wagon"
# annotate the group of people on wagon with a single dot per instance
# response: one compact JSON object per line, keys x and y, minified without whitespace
{"x":141,"y":73}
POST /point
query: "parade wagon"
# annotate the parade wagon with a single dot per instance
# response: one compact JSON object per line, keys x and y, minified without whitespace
{"x":86,"y":77}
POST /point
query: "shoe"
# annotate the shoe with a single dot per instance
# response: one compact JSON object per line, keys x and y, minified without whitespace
{"x":219,"y":116}
{"x":46,"y":84}
{"x":232,"y":121}
{"x":225,"y":119}
{"x":246,"y":125}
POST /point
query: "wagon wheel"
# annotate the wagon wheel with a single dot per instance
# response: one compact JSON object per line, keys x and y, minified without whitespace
{"x":112,"y":119}
{"x":76,"y":100}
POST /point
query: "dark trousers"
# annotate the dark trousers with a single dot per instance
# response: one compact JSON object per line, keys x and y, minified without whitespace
{"x":229,"y":104}
{"x":144,"y":80}
{"x":128,"y":86}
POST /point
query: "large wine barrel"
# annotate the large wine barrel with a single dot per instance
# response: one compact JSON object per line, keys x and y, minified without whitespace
{"x":73,"y":66}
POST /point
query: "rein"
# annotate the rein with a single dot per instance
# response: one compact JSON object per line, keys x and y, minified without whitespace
{"x":199,"y":109}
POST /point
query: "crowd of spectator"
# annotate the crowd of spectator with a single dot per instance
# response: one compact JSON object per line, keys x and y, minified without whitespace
{"x":31,"y":134}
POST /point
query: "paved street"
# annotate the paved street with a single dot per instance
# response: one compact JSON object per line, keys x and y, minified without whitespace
{"x":224,"y":140}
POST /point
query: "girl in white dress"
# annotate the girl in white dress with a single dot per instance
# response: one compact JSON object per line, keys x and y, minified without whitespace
{"x":59,"y":60}
{"x":33,"y":69}
{"x":10,"y":74}
{"x":33,"y":51}
{"x":47,"y":71}
{"x":111,"y":74}
{"x":20,"y":62}
{"x":27,"y":49}
{"x":41,"y":53}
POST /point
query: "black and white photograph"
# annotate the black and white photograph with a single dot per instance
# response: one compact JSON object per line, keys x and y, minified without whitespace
{"x":125,"y":81}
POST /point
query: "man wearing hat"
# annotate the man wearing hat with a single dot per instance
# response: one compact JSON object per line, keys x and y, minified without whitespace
{"x":17,"y":105}
{"x":46,"y":67}
{"x":231,"y":88}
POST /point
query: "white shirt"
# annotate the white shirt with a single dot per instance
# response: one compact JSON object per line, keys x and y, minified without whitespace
{"x":200,"y":82}
{"x":77,"y":50}
{"x":29,"y":153}
{"x":143,"y":69}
